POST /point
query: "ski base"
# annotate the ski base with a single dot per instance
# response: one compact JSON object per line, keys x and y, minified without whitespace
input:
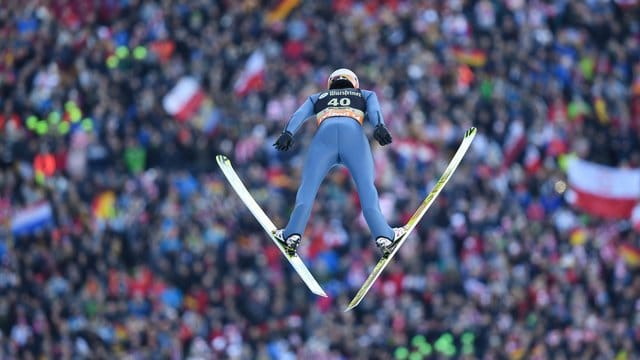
{"x":469,"y":135}
{"x":266,"y":223}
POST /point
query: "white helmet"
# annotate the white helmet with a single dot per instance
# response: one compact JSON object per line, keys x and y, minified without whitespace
{"x":343,"y":74}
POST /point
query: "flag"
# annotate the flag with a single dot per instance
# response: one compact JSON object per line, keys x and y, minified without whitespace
{"x":252,"y":76}
{"x":104,"y":205}
{"x":163,"y":49}
{"x":603,"y":191}
{"x":31,"y":219}
{"x":207,"y":117}
{"x":184,"y":99}
{"x":600,"y":107}
{"x":471,"y":57}
{"x":532,"y":160}
{"x":281,"y":11}
{"x":514,"y":144}
{"x":578,"y":236}
{"x":630,"y":254}
{"x":44,"y":164}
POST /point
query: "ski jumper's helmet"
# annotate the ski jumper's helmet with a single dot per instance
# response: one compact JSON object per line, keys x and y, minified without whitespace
{"x":343,"y":78}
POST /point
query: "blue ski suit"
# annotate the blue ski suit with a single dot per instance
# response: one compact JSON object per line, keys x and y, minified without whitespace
{"x":339,"y":139}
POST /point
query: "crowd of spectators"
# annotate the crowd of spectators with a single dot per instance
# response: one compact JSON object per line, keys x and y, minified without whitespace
{"x":143,"y":251}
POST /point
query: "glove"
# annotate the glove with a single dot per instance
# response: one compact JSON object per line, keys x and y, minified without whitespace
{"x":284,"y":141}
{"x":381,"y":134}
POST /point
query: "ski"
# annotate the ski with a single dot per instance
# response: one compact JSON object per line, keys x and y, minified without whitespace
{"x":417,"y":216}
{"x":266,"y":223}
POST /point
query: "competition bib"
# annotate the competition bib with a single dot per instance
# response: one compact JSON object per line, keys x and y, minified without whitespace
{"x":340,"y":102}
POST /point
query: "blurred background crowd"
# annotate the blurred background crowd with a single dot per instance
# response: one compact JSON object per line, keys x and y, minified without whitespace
{"x":120,"y":238}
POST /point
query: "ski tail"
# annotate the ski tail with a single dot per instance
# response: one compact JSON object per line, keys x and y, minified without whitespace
{"x":266,"y":223}
{"x":469,"y":135}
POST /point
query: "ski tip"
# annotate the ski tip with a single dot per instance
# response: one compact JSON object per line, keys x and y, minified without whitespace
{"x":352,"y":304}
{"x":471,"y":131}
{"x":221,"y":158}
{"x":350,"y":307}
{"x":321,"y":293}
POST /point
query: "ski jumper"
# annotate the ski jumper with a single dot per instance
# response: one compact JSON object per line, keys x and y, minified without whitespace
{"x":339,"y":139}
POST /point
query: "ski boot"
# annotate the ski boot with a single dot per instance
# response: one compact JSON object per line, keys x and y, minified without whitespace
{"x":387,"y":245}
{"x":290,"y":244}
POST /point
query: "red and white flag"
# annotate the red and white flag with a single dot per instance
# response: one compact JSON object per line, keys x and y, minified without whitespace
{"x":532,"y":159}
{"x":515,"y":143}
{"x":602,"y":190}
{"x":184,"y":99}
{"x":252,"y":76}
